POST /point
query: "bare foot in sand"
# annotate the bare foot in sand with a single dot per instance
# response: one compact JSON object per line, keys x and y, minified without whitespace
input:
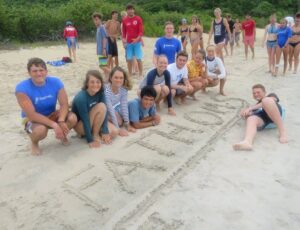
{"x":65,"y":141}
{"x":283,"y":139}
{"x":222,"y":93}
{"x":177,"y":100}
{"x":243,"y":145}
{"x":35,"y":150}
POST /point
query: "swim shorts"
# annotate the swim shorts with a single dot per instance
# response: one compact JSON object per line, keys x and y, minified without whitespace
{"x":112,"y":47}
{"x":134,"y":50}
{"x":249,"y":40}
{"x":265,"y":117}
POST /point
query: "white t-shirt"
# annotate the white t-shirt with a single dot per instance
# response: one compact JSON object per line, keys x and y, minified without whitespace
{"x":177,"y":74}
{"x":213,"y":65}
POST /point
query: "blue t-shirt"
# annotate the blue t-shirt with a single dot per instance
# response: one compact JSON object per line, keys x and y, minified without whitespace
{"x":137,"y":112}
{"x":43,"y":97}
{"x":169,"y":47}
{"x":283,"y":34}
{"x":101,"y":34}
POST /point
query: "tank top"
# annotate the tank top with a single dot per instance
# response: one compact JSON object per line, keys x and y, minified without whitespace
{"x":219,"y":28}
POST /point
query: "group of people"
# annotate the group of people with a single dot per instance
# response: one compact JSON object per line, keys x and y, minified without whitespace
{"x":282,"y":38}
{"x":101,"y":110}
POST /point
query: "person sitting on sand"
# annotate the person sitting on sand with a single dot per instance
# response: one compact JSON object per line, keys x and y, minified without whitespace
{"x":197,"y":72}
{"x":216,"y":72}
{"x":116,"y":93}
{"x":70,"y":34}
{"x":258,"y":116}
{"x":142,"y":111}
{"x":89,"y":106}
{"x":37,"y":97}
{"x":180,"y":85}
{"x":160,"y":78}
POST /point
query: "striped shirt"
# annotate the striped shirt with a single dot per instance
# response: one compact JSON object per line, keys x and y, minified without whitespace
{"x":116,"y":103}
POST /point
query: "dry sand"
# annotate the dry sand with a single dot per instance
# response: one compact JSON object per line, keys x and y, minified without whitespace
{"x":182,"y":174}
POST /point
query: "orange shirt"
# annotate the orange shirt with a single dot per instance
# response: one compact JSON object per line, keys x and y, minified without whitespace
{"x":196,"y":70}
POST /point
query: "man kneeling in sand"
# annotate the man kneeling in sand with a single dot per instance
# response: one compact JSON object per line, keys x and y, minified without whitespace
{"x":142,"y":112}
{"x":37,"y":97}
{"x":266,"y":111}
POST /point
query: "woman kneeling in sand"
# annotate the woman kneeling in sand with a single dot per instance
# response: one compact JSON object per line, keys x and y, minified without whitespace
{"x":89,"y":106}
{"x":266,"y":111}
{"x":215,"y":69}
{"x":37,"y":96}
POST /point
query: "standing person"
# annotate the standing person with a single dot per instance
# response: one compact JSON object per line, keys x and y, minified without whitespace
{"x":270,"y":38}
{"x":219,"y":26}
{"x":249,"y":34}
{"x":167,"y":45}
{"x":132,"y":32}
{"x":37,"y":97}
{"x":230,"y":39}
{"x":197,"y":72}
{"x":71,"y":35}
{"x":160,"y":78}
{"x":89,"y":106}
{"x":195,"y":34}
{"x":294,"y":44}
{"x":237,"y":31}
{"x":183,"y":32}
{"x":180,"y":85}
{"x":283,"y":34}
{"x":216,"y":72}
{"x":266,"y":111}
{"x":113,"y":29}
{"x":116,"y":93}
{"x":101,"y":39}
{"x":142,"y":111}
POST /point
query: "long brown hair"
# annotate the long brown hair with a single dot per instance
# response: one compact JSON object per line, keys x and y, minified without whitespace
{"x":96,"y":74}
{"x":127,"y":82}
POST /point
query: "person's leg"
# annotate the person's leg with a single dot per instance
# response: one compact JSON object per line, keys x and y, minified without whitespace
{"x":291,"y":55}
{"x":138,"y":53}
{"x":222,"y":84}
{"x":158,"y":96}
{"x":197,"y":85}
{"x":269,"y":58}
{"x":252,"y":123}
{"x":272,"y":59}
{"x":277,"y":59}
{"x":219,"y":51}
{"x":269,"y":105}
{"x":140,"y":66}
{"x":39,"y":132}
{"x":110,"y":61}
{"x":246,"y":49}
{"x":113,"y":131}
{"x":285,"y":57}
{"x":296,"y":57}
{"x":129,"y":58}
{"x":252,"y":50}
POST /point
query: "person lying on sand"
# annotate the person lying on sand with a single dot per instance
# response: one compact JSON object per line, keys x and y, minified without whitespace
{"x":258,"y":116}
{"x":142,"y":111}
{"x":37,"y":97}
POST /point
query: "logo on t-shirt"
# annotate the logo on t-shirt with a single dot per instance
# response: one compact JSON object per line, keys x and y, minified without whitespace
{"x":37,"y":99}
{"x":135,"y":22}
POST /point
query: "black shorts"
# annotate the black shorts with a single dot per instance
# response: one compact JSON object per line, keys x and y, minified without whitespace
{"x":112,"y":47}
{"x":265,"y":117}
{"x":219,"y":39}
{"x":183,"y":38}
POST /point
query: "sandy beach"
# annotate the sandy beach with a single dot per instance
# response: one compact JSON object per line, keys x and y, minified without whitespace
{"x":182,"y":174}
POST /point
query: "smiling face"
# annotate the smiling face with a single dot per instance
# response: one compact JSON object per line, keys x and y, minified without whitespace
{"x":93,"y":85}
{"x":198,"y":58}
{"x":147,"y":102}
{"x":117,"y":79}
{"x":181,"y":61}
{"x":258,"y":93}
{"x":162,"y":64}
{"x":283,"y":23}
{"x":130,"y":12}
{"x":38,"y":74}
{"x":211,"y":52}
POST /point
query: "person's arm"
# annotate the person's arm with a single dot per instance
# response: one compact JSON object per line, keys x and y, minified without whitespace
{"x":110,"y":108}
{"x":124,"y":32}
{"x":221,"y":68}
{"x":104,"y":128}
{"x":169,"y":97}
{"x":156,"y":53}
{"x":63,"y":110}
{"x":265,"y":36}
{"x":104,"y":40}
{"x":28,"y":108}
{"x":179,"y":32}
{"x":210,"y":32}
{"x":226,"y":24}
{"x":65,"y":33}
{"x":124,"y":105}
{"x":289,"y":33}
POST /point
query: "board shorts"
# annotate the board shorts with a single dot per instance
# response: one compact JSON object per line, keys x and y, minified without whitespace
{"x":261,"y":113}
{"x":249,"y":40}
{"x":71,"y":42}
{"x":134,"y":50}
{"x":112,"y":47}
{"x":219,"y":39}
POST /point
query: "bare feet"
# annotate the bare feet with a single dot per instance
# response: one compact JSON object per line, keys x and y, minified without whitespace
{"x":35,"y":150}
{"x":283,"y":139}
{"x":65,"y":141}
{"x":243,"y":145}
{"x":222,"y":93}
{"x":177,"y":100}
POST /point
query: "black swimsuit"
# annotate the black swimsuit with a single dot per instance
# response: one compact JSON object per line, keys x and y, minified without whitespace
{"x":294,"y":44}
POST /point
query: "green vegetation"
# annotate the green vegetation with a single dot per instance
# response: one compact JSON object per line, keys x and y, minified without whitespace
{"x":38,"y":20}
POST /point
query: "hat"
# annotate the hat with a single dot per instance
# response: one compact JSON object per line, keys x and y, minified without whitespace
{"x":68,"y":23}
{"x":129,"y":6}
{"x":183,"y":20}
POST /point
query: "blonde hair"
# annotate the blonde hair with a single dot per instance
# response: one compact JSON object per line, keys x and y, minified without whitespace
{"x":211,"y":47}
{"x":218,"y":10}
